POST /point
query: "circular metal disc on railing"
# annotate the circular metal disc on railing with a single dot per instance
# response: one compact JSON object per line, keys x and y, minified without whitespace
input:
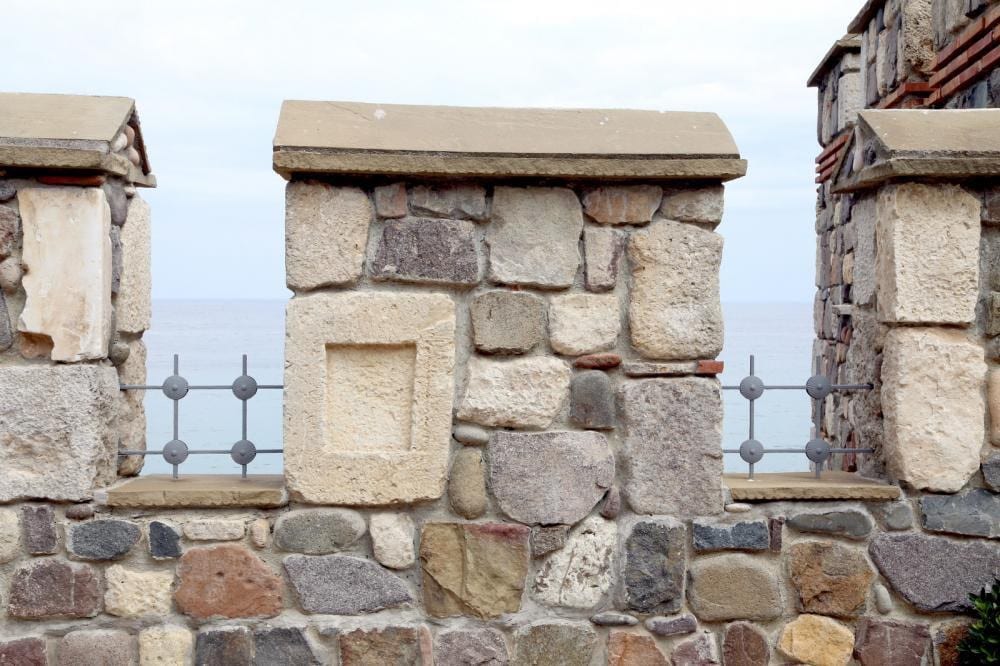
{"x":818,"y":450}
{"x":243,"y":452}
{"x":245,"y":387}
{"x":751,"y":387}
{"x":818,"y":387}
{"x":175,"y":387}
{"x":175,"y":452}
{"x":751,"y":451}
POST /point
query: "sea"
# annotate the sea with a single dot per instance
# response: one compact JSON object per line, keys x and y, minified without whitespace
{"x":211,"y":337}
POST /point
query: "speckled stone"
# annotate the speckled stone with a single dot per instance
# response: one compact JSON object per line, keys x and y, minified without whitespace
{"x":164,"y":540}
{"x":105,"y":539}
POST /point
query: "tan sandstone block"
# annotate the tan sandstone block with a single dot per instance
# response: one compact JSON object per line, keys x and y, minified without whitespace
{"x":10,"y":535}
{"x":932,"y":397}
{"x":927,"y":267}
{"x":133,"y":307}
{"x":67,"y":256}
{"x":817,"y":640}
{"x":369,"y":380}
{"x":994,"y":402}
{"x":131,"y":593}
{"x":583,"y":323}
{"x":326,"y":232}
{"x":524,"y":392}
{"x":166,"y":645}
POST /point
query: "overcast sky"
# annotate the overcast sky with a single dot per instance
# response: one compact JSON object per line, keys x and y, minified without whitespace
{"x":209,"y":78}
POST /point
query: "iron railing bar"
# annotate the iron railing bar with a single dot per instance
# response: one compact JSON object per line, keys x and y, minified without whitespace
{"x":213,"y":451}
{"x":206,"y":387}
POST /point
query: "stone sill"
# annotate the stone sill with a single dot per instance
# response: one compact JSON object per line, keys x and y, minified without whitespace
{"x":202,"y":491}
{"x":805,"y":486}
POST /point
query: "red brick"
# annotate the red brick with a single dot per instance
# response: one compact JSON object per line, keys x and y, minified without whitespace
{"x":80,"y":181}
{"x":598,"y":361}
{"x":710,"y":368}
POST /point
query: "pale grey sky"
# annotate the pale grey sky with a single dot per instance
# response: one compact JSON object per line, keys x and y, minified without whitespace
{"x":209,"y":78}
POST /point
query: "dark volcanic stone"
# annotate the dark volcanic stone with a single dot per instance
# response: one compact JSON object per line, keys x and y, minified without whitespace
{"x":654,"y":566}
{"x":592,"y":403}
{"x":23,"y":652}
{"x":52,"y":588}
{"x":974,"y":513}
{"x":285,"y":646}
{"x":750,"y":535}
{"x":890,"y":643}
{"x":39,"y":529}
{"x":164,"y":541}
{"x":850,"y":524}
{"x":991,"y":472}
{"x":343,"y":585}
{"x":777,"y":527}
{"x":106,"y":539}
{"x":672,"y":626}
{"x":423,"y":250}
{"x":745,"y":645}
{"x":232,"y":646}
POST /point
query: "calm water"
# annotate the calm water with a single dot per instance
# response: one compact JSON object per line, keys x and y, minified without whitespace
{"x":211,"y":337}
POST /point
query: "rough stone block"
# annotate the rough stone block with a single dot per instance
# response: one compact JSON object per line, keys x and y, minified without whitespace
{"x":131,"y":593}
{"x":67,"y":256}
{"x":461,"y":202}
{"x":991,"y":472}
{"x":829,"y":578}
{"x":211,"y":529}
{"x":602,"y":251}
{"x":928,"y":257}
{"x":850,"y":99}
{"x":99,"y":647}
{"x":749,"y":535}
{"x":534,"y":236}
{"x":745,"y":645}
{"x":6,"y":329}
{"x":507,"y":322}
{"x":164,"y":541}
{"x":622,"y":204}
{"x":226,"y":581}
{"x":993,"y":398}
{"x":50,"y":588}
{"x":326,"y":232}
{"x":226,"y":646}
{"x":628,"y":649}
{"x":10,"y":226}
{"x":461,"y":647}
{"x":10,"y":535}
{"x":613,"y":619}
{"x":932,"y":397}
{"x":107,"y":539}
{"x":390,"y":200}
{"x":56,"y":431}
{"x":318,"y":531}
{"x":165,"y":645}
{"x":471,"y":435}
{"x":972,"y":513}
{"x":282,"y":645}
{"x":581,"y":573}
{"x":592,"y":403}
{"x":665,"y":627}
{"x":675,"y":312}
{"x":467,"y":484}
{"x":863,"y":216}
{"x":520,"y":393}
{"x":673,"y":446}
{"x":881,"y":642}
{"x":39,"y":525}
{"x":386,"y":646}
{"x":343,"y":585}
{"x":850,"y":524}
{"x":702,"y":205}
{"x":655,"y":561}
{"x":368,"y":397}
{"x":427,"y":251}
{"x":547,"y":539}
{"x":555,"y":643}
{"x":734,"y":587}
{"x":133,"y":306}
{"x":23,"y":652}
{"x":583,"y":323}
{"x":550,"y":478}
{"x":476,"y":570}
{"x":392,"y":539}
{"x":813,"y":639}
{"x":697,"y":651}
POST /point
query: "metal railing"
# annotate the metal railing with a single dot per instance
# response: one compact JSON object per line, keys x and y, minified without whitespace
{"x":176,"y":387}
{"x":817,"y":449}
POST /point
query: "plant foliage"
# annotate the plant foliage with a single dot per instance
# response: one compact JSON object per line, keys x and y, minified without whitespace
{"x":981,"y":647}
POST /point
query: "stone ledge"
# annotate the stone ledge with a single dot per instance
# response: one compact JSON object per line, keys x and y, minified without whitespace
{"x":199,"y":491}
{"x":805,"y":486}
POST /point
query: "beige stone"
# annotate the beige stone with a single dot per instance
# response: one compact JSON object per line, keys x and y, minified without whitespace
{"x":734,"y":587}
{"x":833,"y":485}
{"x":994,"y":403}
{"x":260,"y":532}
{"x":850,"y":99}
{"x":326,"y":233}
{"x":675,"y":313}
{"x":165,"y":645}
{"x":133,"y":307}
{"x":369,"y":384}
{"x":132,"y":409}
{"x":10,"y":275}
{"x":817,"y":640}
{"x":467,"y":484}
{"x":703,"y":205}
{"x":215,"y":530}
{"x":524,"y":392}
{"x":392,"y":539}
{"x":580,"y":574}
{"x":67,"y":257}
{"x":603,"y":249}
{"x":130,"y":593}
{"x":932,"y":397}
{"x":10,"y":535}
{"x":928,"y":260}
{"x":583,"y":323}
{"x":622,"y":204}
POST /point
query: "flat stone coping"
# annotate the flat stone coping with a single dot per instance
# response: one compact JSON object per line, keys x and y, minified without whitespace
{"x":846,"y":44}
{"x":71,"y":132}
{"x":861,"y":20}
{"x":199,"y":491}
{"x":445,"y":141}
{"x":805,"y":486}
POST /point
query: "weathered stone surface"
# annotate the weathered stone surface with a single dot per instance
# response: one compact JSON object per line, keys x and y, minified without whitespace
{"x":603,"y":361}
{"x":549,"y":478}
{"x":23,"y":652}
{"x":461,"y":647}
{"x":226,"y":646}
{"x":226,"y":581}
{"x":663,"y":476}
{"x":524,"y":392}
{"x":133,"y":306}
{"x":675,"y":312}
{"x":612,"y":503}
{"x":592,"y":402}
{"x":602,"y":251}
{"x":326,"y":231}
{"x":428,"y":251}
{"x":165,"y":645}
{"x":392,"y":539}
{"x":922,"y":280}
{"x":211,"y":529}
{"x":39,"y":525}
{"x":830,"y":578}
{"x":555,"y":643}
{"x":164,"y":540}
{"x":745,"y":645}
{"x":6,"y":329}
{"x":613,"y":619}
{"x":672,"y":626}
{"x":547,"y":539}
{"x":897,"y":516}
{"x":628,"y":649}
{"x":749,"y":535}
{"x":318,"y":531}
{"x":697,"y":651}
{"x":390,"y":200}
{"x":622,"y":204}
{"x":991,"y":472}
{"x":733,"y":587}
{"x":463,"y":202}
{"x":99,"y":647}
{"x":471,"y":435}
{"x":10,"y":275}
{"x":386,"y":646}
{"x":583,"y":323}
{"x":932,"y":396}
{"x":883,"y":600}
{"x":654,"y":566}
{"x":673,"y":368}
{"x":7,"y":190}
{"x":703,"y":205}
{"x":9,"y":227}
{"x":973,"y":513}
{"x":891,"y":643}
{"x":67,"y":257}
{"x":260,"y":532}
{"x":369,"y":386}
{"x":344,"y":585}
{"x":56,"y":431}
{"x":282,"y":645}
{"x":117,"y":202}
{"x":817,"y":640}
{"x":467,"y":484}
{"x":507,"y":322}
{"x":581,"y":573}
{"x":52,"y":588}
{"x":933,"y":573}
{"x":106,"y":539}
{"x":475,"y":570}
{"x":850,"y":524}
{"x":534,"y":236}
{"x":79,"y":511}
{"x":10,"y":535}
{"x":131,"y":593}
{"x":947,"y":638}
{"x":993,"y":382}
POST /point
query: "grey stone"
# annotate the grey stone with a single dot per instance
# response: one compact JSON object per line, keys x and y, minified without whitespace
{"x":750,"y":535}
{"x":6,"y":330}
{"x":734,"y":586}
{"x":79,"y":511}
{"x":99,"y":647}
{"x":612,"y":504}
{"x":117,"y":202}
{"x":105,"y":539}
{"x":50,"y":588}
{"x":462,"y":202}
{"x":602,"y":249}
{"x":702,"y":205}
{"x":934,"y":574}
{"x":116,"y":259}
{"x":467,"y":484}
{"x":883,"y":600}
{"x":285,"y":646}
{"x":318,"y":531}
{"x":462,"y":647}
{"x":697,"y":651}
{"x":672,"y":626}
{"x":545,"y":540}
{"x":7,"y":190}
{"x":342,"y":585}
{"x":591,"y":401}
{"x":39,"y":529}
{"x":892,"y":643}
{"x":654,"y":566}
{"x":9,"y":224}
{"x":549,"y":478}
{"x":850,"y":524}
{"x":471,"y":435}
{"x":427,"y":251}
{"x":164,"y":541}
{"x":390,"y":200}
{"x":663,"y":477}
{"x":973,"y":513}
{"x":555,"y":643}
{"x":991,"y":472}
{"x":507,"y":322}
{"x":612,"y":619}
{"x":897,"y":516}
{"x":228,"y":646}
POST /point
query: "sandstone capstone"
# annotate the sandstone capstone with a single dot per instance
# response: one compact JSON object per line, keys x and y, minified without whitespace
{"x":519,"y":393}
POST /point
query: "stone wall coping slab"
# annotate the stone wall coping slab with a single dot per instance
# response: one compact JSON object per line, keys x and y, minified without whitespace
{"x":315,"y":137}
{"x":199,"y":491}
{"x":846,"y":44}
{"x":805,"y":486}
